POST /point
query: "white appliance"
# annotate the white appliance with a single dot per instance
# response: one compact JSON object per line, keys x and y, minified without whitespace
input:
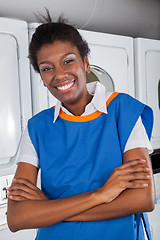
{"x":15,"y":109}
{"x":147,"y":83}
{"x":147,"y":76}
{"x":111,"y":62}
{"x":112,"y":57}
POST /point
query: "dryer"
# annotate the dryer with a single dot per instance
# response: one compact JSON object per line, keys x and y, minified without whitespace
{"x":147,"y":79}
{"x":111,"y":59}
{"x":111,"y":62}
{"x":15,"y":108}
{"x":147,"y":86}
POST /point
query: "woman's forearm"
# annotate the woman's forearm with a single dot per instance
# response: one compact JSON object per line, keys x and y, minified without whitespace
{"x":36,"y":213}
{"x":131,"y":201}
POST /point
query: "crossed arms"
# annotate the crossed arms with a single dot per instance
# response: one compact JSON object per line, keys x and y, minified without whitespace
{"x":129,"y":190}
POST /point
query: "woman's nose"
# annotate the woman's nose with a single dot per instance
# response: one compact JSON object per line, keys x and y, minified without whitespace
{"x":60,"y":73}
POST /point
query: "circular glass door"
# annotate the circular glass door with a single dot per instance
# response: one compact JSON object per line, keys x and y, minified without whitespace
{"x":99,"y":74}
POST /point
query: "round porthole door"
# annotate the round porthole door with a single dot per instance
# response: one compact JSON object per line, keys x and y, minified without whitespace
{"x":99,"y":74}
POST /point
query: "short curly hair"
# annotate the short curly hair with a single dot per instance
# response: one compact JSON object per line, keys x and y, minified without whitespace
{"x":49,"y":32}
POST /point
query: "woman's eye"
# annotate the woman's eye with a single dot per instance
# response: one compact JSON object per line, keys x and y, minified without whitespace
{"x":45,"y":69}
{"x":68,"y":61}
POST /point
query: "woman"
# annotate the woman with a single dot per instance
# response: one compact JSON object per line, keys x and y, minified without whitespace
{"x":92,"y":149}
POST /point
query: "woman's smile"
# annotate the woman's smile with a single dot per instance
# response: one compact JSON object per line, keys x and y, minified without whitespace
{"x":66,"y":86}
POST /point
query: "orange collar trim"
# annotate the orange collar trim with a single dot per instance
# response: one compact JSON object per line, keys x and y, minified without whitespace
{"x":88,"y":117}
{"x":79,"y":118}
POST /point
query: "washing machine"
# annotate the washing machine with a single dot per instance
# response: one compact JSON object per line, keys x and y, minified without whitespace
{"x":111,"y":60}
{"x":147,"y":89}
{"x":15,"y":109}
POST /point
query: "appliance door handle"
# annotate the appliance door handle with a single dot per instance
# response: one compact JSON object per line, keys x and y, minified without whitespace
{"x":159,"y":93}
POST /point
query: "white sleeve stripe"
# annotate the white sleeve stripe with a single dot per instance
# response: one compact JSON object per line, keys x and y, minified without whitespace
{"x":28,"y":159}
{"x":138,"y":138}
{"x":27,"y":151}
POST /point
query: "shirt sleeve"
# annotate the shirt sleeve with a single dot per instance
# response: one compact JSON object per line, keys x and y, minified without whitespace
{"x":27,"y":152}
{"x":138,"y":138}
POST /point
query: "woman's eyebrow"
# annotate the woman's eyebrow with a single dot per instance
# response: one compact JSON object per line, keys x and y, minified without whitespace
{"x":44,"y":62}
{"x":65,"y":55}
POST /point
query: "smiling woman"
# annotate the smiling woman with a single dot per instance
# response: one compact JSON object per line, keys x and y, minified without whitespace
{"x":96,"y":174}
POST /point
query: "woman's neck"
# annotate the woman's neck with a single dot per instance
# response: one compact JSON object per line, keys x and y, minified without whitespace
{"x":78,"y":108}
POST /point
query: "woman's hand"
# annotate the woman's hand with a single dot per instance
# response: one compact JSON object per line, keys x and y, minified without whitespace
{"x":22,"y":189}
{"x":124,"y":177}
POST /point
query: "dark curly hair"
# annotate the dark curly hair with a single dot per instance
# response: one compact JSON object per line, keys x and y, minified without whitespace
{"x":51,"y":31}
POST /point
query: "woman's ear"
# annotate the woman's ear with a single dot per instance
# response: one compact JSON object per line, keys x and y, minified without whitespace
{"x":87,"y":65}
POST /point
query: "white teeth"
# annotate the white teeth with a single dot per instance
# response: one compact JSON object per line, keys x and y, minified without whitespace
{"x":65,"y":86}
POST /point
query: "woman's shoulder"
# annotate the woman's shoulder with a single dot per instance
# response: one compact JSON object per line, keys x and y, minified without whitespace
{"x":42,"y":115}
{"x":122,"y":98}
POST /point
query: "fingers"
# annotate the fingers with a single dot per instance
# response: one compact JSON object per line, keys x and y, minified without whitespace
{"x":137,"y":176}
{"x":132,"y":163}
{"x":17,"y":185}
{"x":135,"y":171}
{"x":133,"y":181}
{"x":22,"y":189}
{"x":19,"y":193}
{"x":137,"y":185}
{"x":133,"y":167}
{"x":25,"y":182}
{"x":129,"y":172}
{"x":17,"y":198}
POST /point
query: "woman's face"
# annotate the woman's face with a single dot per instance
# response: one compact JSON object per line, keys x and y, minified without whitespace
{"x":63,"y":71}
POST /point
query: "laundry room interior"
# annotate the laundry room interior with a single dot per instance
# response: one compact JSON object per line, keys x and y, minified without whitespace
{"x":124,"y":41}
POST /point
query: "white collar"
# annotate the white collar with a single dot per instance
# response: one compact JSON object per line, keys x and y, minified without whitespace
{"x":98,"y":101}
